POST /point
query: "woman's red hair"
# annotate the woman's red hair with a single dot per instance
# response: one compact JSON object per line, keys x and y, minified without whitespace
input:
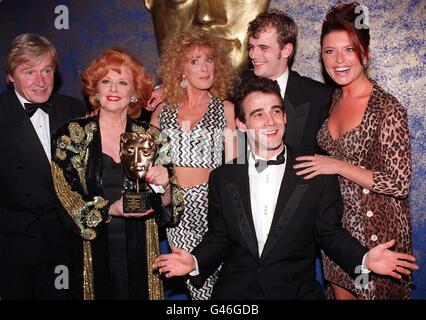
{"x":342,"y":17}
{"x":114,"y":59}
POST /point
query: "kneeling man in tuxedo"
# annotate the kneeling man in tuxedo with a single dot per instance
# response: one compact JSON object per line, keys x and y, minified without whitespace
{"x":265,"y":221}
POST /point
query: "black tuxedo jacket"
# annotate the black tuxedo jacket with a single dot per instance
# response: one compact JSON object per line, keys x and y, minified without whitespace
{"x":307,"y":213}
{"x":30,"y":228}
{"x":306,"y":103}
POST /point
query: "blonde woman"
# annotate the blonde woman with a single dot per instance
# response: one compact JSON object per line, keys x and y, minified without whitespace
{"x":197,"y":75}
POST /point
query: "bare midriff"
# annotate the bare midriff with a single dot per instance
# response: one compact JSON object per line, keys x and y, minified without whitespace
{"x":190,"y":176}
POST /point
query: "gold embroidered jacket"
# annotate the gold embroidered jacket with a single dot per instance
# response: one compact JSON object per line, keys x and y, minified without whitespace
{"x":77,"y":175}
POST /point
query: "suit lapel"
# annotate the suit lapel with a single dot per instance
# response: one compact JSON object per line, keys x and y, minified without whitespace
{"x":291,"y":193}
{"x":296,"y":107}
{"x":53,"y":117}
{"x":293,"y":94}
{"x":239,"y":190}
{"x":27,"y":140}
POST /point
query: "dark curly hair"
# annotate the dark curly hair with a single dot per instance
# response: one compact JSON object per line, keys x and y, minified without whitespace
{"x":285,"y":26}
{"x":255,"y":84}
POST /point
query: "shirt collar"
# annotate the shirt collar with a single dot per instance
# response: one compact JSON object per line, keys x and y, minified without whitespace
{"x":21,"y":99}
{"x":252,"y":156}
{"x":282,"y":81}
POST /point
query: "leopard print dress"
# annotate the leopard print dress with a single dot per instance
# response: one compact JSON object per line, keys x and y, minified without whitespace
{"x":380,"y":143}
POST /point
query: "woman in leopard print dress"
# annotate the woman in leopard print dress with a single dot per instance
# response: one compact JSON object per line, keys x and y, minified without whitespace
{"x":368,"y":141}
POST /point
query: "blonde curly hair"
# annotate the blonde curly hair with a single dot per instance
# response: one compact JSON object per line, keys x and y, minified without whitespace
{"x":175,"y":55}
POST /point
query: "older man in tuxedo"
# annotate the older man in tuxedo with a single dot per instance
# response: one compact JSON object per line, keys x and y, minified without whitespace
{"x":32,"y":239}
{"x":262,"y":229}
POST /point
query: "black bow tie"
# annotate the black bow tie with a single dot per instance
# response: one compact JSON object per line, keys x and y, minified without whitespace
{"x":31,"y":108}
{"x":261,"y":165}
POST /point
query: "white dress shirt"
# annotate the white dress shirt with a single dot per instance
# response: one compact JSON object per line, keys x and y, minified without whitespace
{"x":282,"y":82}
{"x":40,"y":121}
{"x":264,"y":190}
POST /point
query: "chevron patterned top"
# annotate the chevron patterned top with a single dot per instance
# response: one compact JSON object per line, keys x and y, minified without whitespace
{"x":200,"y":147}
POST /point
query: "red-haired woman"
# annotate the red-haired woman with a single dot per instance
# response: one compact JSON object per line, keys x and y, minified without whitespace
{"x":368,"y":141}
{"x":113,"y":256}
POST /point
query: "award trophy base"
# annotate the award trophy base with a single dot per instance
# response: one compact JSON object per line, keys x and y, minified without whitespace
{"x":140,"y":202}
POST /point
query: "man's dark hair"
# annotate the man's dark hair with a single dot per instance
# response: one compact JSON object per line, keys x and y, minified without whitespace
{"x":285,"y":26}
{"x":255,"y":84}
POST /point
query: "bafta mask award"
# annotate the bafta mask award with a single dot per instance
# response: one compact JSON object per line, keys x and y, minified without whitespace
{"x":137,"y":153}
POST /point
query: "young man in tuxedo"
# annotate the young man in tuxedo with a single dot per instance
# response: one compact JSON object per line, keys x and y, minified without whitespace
{"x":32,"y":239}
{"x":261,"y":228}
{"x":272,"y":38}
